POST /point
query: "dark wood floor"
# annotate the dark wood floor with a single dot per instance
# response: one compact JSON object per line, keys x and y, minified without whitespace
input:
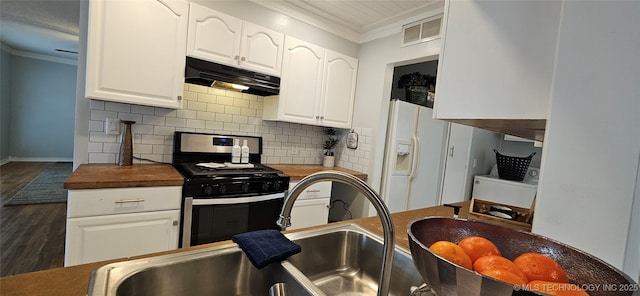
{"x":31,"y":236}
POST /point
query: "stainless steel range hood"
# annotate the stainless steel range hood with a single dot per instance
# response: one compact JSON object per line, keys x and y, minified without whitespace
{"x":216,"y":75}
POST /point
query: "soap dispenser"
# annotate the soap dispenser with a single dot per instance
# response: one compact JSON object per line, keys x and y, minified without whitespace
{"x":236,"y":151}
{"x":244,"y":158}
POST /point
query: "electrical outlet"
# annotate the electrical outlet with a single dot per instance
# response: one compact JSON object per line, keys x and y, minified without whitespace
{"x":294,"y":150}
{"x":112,"y":126}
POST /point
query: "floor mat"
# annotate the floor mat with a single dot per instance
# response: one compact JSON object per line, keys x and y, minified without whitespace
{"x":46,"y":187}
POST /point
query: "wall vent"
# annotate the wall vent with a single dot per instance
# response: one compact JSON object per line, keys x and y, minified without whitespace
{"x":422,"y":30}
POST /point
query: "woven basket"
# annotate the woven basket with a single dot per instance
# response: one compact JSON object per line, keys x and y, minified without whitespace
{"x":512,"y":167}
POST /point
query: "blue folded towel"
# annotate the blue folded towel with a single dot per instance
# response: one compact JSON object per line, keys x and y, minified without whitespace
{"x":266,"y":246}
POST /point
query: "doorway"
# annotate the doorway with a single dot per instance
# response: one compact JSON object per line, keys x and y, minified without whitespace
{"x":415,"y":141}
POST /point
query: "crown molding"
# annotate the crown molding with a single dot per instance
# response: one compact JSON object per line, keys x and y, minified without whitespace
{"x":383,"y":28}
{"x":336,"y":28}
{"x":38,"y":56}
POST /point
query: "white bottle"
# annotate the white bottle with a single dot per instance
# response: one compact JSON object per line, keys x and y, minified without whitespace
{"x":245,"y":152}
{"x":236,"y":151}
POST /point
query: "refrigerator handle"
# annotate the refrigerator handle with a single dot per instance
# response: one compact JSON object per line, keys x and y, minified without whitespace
{"x":414,"y":158}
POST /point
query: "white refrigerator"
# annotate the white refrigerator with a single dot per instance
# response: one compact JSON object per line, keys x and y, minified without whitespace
{"x":413,"y":161}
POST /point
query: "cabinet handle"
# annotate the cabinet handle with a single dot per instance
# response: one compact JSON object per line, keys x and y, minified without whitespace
{"x":321,"y":117}
{"x":451,"y":151}
{"x":175,"y":223}
{"x":179,"y":98}
{"x":313,"y":191}
{"x":129,"y":201}
{"x":243,"y":59}
{"x":236,"y":58}
{"x":317,"y":117}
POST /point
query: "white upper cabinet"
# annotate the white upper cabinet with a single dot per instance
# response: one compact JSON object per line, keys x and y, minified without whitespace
{"x":317,"y":87}
{"x":338,"y":90}
{"x":301,"y":84}
{"x":136,"y":52}
{"x":220,"y":38}
{"x":497,"y":59}
{"x":261,"y":49}
{"x":213,"y":35}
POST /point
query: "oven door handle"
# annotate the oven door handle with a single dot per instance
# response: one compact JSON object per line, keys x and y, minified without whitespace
{"x":235,"y":200}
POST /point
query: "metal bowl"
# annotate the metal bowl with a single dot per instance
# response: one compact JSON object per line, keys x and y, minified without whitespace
{"x":591,"y":274}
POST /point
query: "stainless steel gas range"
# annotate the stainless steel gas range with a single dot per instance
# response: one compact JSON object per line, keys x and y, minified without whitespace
{"x":220,"y":198}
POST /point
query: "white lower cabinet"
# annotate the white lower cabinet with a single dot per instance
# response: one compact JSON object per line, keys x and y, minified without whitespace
{"x":105,"y":224}
{"x":312,"y":206}
{"x":100,"y":238}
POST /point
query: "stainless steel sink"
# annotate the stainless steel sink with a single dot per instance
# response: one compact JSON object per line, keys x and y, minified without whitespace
{"x":335,"y":260}
{"x":347,"y":262}
{"x":214,"y":271}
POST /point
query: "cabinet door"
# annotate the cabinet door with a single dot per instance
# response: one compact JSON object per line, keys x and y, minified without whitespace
{"x":309,"y":212}
{"x":136,"y":50}
{"x":214,"y":36}
{"x":300,"y":87}
{"x":338,"y":91}
{"x":497,"y":59}
{"x":456,"y":172}
{"x":91,"y":239}
{"x":261,"y":49}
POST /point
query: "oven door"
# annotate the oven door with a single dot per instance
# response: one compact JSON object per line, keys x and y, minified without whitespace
{"x":207,"y":220}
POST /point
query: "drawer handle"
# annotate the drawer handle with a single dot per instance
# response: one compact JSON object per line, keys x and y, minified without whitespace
{"x":313,"y":191}
{"x":129,"y":201}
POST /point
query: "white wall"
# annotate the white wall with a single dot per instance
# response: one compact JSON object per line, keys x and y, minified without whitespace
{"x":592,"y":139}
{"x":632,"y":257}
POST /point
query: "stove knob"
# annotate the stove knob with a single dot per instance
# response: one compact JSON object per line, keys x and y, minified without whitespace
{"x":245,"y":187}
{"x":207,"y":189}
{"x":222,"y":188}
{"x":265,"y":186}
{"x":276,"y":185}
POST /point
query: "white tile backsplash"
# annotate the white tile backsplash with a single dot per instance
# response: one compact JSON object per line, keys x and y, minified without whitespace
{"x":210,"y":110}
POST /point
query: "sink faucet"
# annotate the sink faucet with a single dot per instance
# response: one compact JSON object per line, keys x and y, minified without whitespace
{"x":387,"y":224}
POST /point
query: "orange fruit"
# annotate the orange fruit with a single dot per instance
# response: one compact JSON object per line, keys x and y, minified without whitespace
{"x":476,"y":247}
{"x":559,"y":289}
{"x":451,"y":252}
{"x":505,"y":276}
{"x":540,"y":267}
{"x":498,"y":262}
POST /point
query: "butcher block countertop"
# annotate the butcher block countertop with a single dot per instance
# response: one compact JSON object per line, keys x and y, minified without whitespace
{"x":299,"y":171}
{"x":74,"y":280}
{"x":97,"y":176}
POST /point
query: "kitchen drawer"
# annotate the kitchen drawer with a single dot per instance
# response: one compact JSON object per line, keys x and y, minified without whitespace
{"x":96,"y":202}
{"x":317,"y":190}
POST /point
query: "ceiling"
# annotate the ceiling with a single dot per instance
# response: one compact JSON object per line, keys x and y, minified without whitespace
{"x":42,"y":26}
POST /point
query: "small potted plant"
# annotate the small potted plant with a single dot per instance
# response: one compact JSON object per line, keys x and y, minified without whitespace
{"x":329,"y":145}
{"x":419,"y":88}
